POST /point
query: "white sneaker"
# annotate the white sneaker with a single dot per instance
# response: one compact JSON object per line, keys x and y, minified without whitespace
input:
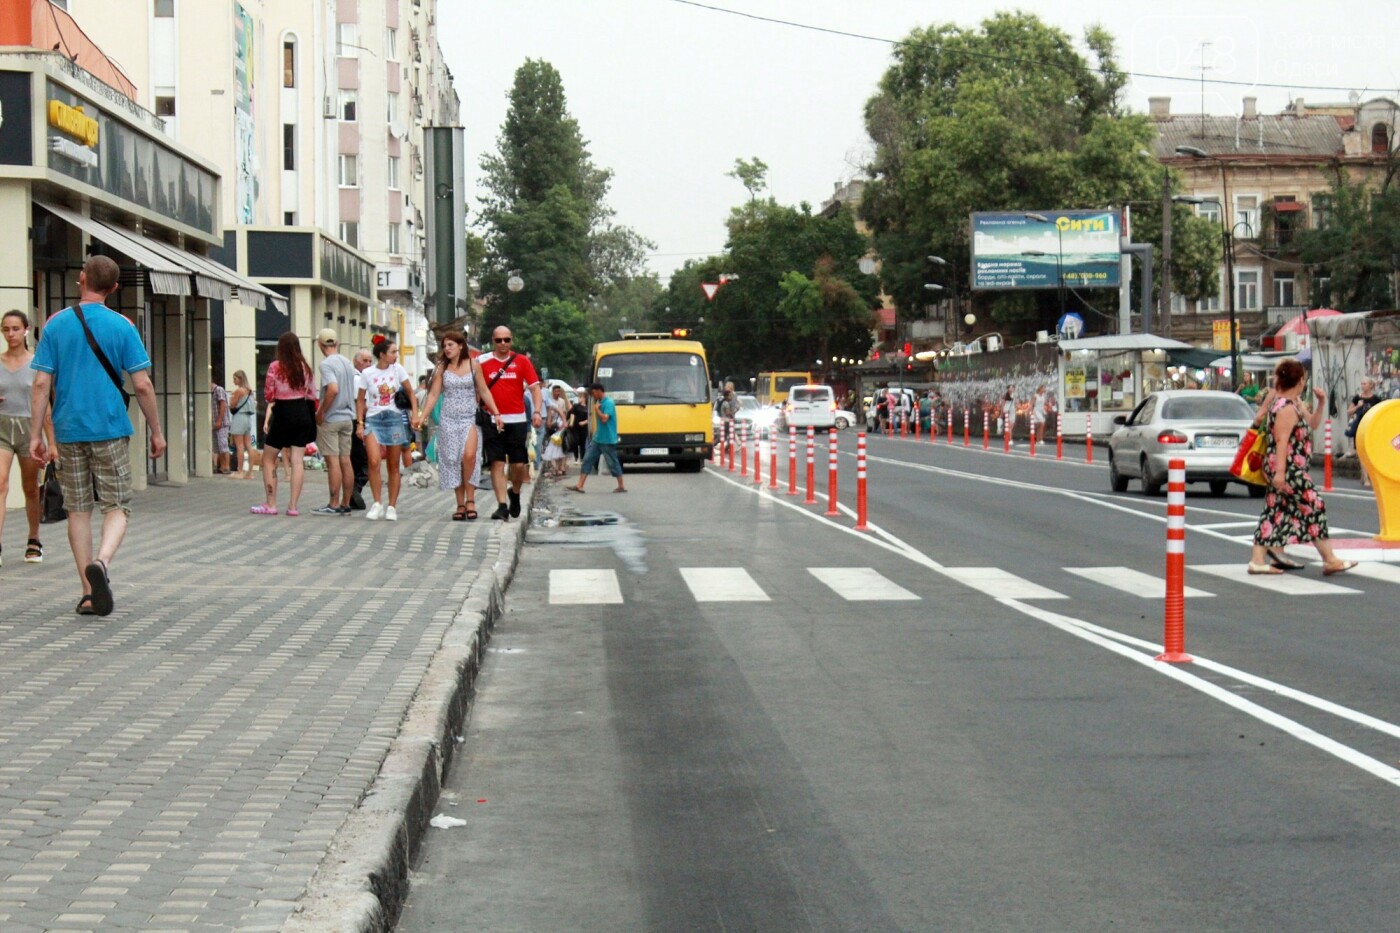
{"x":375,"y":512}
{"x":390,"y":514}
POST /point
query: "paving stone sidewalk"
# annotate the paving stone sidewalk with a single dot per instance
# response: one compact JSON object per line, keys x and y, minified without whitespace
{"x":184,"y":762}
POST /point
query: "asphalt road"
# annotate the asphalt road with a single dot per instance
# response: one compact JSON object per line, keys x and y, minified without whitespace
{"x":773,"y":722}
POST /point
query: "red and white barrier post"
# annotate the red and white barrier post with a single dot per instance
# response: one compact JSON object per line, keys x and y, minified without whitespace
{"x":932,"y":423}
{"x":831,"y":508}
{"x":1033,"y":433}
{"x":950,"y":424}
{"x":1006,"y":433}
{"x":811,"y":467}
{"x":743,"y":446}
{"x":1088,"y":438}
{"x":1327,"y":457}
{"x":773,"y":457}
{"x":1060,"y":435}
{"x":1174,"y":615}
{"x":757,"y":455}
{"x":986,"y":429}
{"x":729,"y":442}
{"x":904,"y":424}
{"x":860,"y":483}
{"x":792,"y":460}
{"x":967,"y":428}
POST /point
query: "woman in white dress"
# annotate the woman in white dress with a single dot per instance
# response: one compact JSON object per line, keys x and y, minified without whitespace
{"x":459,"y":382}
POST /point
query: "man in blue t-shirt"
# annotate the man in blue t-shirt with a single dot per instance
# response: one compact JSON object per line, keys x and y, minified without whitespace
{"x":603,"y":443}
{"x":90,"y":421}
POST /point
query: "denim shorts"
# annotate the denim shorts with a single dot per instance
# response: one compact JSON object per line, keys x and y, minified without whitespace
{"x":390,"y":428}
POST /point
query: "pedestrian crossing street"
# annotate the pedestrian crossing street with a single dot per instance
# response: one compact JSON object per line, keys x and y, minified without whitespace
{"x":866,"y":584}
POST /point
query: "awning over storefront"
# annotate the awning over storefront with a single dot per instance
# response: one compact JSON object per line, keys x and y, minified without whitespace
{"x":171,"y":268}
{"x":1119,"y":343}
{"x":167,"y":276}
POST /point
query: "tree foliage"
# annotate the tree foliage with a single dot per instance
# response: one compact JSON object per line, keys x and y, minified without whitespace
{"x":794,"y":293}
{"x":752,"y":174}
{"x":558,"y":336}
{"x":1358,"y":244}
{"x":1007,"y":116}
{"x":545,"y":213}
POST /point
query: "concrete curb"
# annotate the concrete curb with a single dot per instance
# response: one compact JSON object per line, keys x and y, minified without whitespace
{"x":362,"y":881}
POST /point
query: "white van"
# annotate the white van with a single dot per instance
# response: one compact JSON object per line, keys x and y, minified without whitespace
{"x":810,"y":406}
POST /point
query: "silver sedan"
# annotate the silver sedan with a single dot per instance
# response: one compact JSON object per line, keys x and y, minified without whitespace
{"x":1201,"y":427}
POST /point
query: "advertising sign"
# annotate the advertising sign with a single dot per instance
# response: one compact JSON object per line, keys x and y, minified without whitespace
{"x":1013,"y":250}
{"x":1220,"y":334}
{"x":246,"y":174}
{"x":16,"y":116}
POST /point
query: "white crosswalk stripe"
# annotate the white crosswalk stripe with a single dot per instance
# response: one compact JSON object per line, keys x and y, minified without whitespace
{"x":583,"y":587}
{"x":722,"y":585}
{"x":860,"y":584}
{"x":1288,"y":584}
{"x":1132,"y":581}
{"x":1374,"y":570}
{"x":1000,"y":584}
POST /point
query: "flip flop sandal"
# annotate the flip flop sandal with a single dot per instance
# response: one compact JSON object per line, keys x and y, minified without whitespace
{"x":1284,"y":563}
{"x":102,"y":602}
{"x":84,"y":607}
{"x":34,"y":552}
{"x":460,"y":515}
{"x":471,"y":515}
{"x":1341,"y":567}
{"x":263,"y":510}
{"x":1264,"y":569}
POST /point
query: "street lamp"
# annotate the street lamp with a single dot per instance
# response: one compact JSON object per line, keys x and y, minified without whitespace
{"x":1059,"y":258}
{"x":515,"y":283}
{"x":1227,"y":237}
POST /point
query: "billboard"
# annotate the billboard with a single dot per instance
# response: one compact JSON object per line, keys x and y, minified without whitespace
{"x":1014,"y":250}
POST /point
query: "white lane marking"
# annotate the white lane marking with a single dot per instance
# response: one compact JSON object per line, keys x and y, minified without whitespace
{"x":860,"y":584}
{"x":1000,"y":584}
{"x":583,"y":588}
{"x":1286,"y":584}
{"x":1221,"y":526}
{"x":722,"y":585}
{"x":1134,"y":582}
{"x":1299,"y":731}
{"x":1388,"y":573}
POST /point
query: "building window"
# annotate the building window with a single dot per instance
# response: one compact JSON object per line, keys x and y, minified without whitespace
{"x":349,"y":172}
{"x":348,"y":101}
{"x":1209,"y":210}
{"x":393,"y":172}
{"x":350,"y":232}
{"x":165,"y":106}
{"x":1322,"y":292}
{"x":1380,"y":139}
{"x":347,"y":40}
{"x":1321,"y":210}
{"x":289,"y":147}
{"x":1246,"y":216}
{"x":393,"y":238}
{"x":393,"y":108}
{"x":289,"y":63}
{"x":289,"y":218}
{"x":391,"y":45}
{"x":1285,"y":290}
{"x":164,"y":9}
{"x":1247,"y":289}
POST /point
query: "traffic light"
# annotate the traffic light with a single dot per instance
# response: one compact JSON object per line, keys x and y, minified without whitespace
{"x":908,"y":349}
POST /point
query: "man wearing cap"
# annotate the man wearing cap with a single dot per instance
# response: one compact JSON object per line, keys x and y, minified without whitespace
{"x":335,"y":421}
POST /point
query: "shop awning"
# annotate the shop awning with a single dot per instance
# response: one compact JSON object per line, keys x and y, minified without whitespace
{"x":1195,"y":358}
{"x":1119,"y":343}
{"x":171,"y":268}
{"x":168,"y":277}
{"x":1287,"y":207}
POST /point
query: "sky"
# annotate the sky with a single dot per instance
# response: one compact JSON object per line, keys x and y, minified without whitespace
{"x":668,"y":94}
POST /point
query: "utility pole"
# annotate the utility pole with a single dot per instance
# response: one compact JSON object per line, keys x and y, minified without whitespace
{"x":1164,"y":297}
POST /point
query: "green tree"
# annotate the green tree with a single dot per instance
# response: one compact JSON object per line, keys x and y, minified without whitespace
{"x":1357,"y":245}
{"x":752,"y":174}
{"x":558,"y":337}
{"x":1008,"y":116}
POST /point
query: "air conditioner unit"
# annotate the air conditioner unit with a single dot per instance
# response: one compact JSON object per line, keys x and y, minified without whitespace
{"x":328,"y":109}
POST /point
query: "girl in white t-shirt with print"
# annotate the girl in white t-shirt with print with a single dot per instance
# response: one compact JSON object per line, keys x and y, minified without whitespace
{"x":381,"y":424}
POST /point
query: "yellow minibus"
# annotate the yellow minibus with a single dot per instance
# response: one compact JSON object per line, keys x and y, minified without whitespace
{"x":661,"y":385}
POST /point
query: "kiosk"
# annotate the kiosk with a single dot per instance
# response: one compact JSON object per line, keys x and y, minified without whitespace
{"x":1107,"y":376}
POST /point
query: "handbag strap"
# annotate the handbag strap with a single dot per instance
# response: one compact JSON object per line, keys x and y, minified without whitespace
{"x":97,"y":350}
{"x":491,"y":383}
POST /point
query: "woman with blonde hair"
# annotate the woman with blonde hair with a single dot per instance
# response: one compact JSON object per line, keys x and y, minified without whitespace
{"x":243,"y":410}
{"x":458,"y":380}
{"x":1293,"y":513}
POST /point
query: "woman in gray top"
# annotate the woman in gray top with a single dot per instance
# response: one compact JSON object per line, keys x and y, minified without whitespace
{"x":16,"y":380}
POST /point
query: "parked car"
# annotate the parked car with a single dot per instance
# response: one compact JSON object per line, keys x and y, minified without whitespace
{"x":1201,"y":427}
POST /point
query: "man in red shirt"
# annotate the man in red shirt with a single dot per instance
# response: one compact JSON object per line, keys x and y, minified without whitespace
{"x":509,"y":374}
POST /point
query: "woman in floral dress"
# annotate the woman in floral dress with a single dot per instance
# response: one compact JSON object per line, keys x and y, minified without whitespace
{"x":1294,"y":513}
{"x":458,"y":380}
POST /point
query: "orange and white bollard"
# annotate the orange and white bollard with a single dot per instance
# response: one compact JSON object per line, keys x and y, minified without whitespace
{"x":950,"y":424}
{"x":860,"y":483}
{"x":1060,"y":436}
{"x":831,"y":508}
{"x":986,"y":429}
{"x":772,"y":457}
{"x":811,"y":467}
{"x":1174,"y":615}
{"x":729,"y":443}
{"x":743,"y":446}
{"x":967,"y":428}
{"x":932,"y":424}
{"x":904,"y":424}
{"x":792,"y":460}
{"x":1327,"y":457}
{"x":1006,"y":438}
{"x":1033,"y":433}
{"x":757,"y":455}
{"x":1088,"y":438}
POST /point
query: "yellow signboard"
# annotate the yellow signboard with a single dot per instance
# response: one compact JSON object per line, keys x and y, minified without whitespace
{"x":74,"y":122}
{"x":1220,"y":334}
{"x":1074,"y":383}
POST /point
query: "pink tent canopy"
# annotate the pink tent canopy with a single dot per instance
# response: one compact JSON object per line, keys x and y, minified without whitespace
{"x":1298,"y":325}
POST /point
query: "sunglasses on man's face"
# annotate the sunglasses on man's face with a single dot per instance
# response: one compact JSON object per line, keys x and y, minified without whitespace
{"x":500,"y":340}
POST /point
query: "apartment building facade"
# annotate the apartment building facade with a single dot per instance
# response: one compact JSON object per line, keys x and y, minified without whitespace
{"x":1270,"y":174}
